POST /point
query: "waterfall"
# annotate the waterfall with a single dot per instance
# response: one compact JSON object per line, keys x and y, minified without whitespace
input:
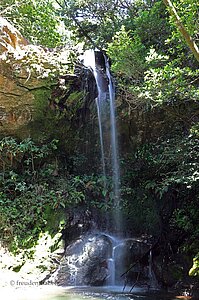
{"x":101,"y":140}
{"x":112,"y":261}
{"x":114,"y":142}
{"x":111,"y":269}
{"x":114,"y":151}
{"x":152,"y":278}
{"x":105,"y":103}
{"x":89,"y":61}
{"x":106,"y":114}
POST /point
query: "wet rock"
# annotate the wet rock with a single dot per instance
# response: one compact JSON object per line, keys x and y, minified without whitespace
{"x":92,"y":259}
{"x":132,"y":253}
{"x":80,"y":221}
{"x":85,"y":261}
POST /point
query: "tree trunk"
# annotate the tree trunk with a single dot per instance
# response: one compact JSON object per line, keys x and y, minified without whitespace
{"x":191,"y":44}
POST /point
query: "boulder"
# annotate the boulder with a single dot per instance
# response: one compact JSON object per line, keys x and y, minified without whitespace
{"x":132,"y":253}
{"x":100,"y":259}
{"x":85,"y":261}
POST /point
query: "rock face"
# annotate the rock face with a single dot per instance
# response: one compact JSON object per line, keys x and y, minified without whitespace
{"x":131,"y":252}
{"x":10,"y":92}
{"x":85,"y":261}
{"x":17,"y":82}
{"x":100,"y":259}
{"x":10,"y":37}
{"x":32,"y":79}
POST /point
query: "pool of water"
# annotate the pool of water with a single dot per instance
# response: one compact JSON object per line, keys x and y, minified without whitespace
{"x":82,"y":293}
{"x":117,"y":293}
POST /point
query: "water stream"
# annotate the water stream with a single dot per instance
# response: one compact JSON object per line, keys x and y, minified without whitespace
{"x":106,"y":114}
{"x":106,"y":111}
{"x":83,"y":293}
{"x":114,"y":139}
{"x":152,"y":278}
{"x":101,"y":141}
{"x":115,"y":153}
{"x":90,"y":61}
{"x":112,"y":280}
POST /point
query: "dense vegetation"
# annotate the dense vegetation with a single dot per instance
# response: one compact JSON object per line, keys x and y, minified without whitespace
{"x":157,"y":82}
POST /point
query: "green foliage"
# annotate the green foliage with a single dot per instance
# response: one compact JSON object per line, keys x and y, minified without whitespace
{"x":92,"y":22}
{"x":195,"y":129}
{"x":36,"y":20}
{"x":86,"y":190}
{"x":33,"y":195}
{"x":96,"y":22}
{"x":179,"y":159}
{"x":127,"y":55}
{"x":152,"y":26}
{"x":23,"y":198}
{"x":161,"y":181}
{"x":152,"y":68}
{"x":164,"y":83}
{"x":170,"y":84}
{"x":35,"y":61}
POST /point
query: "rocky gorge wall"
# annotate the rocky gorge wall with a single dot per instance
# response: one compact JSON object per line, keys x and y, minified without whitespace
{"x":29,"y":77}
{"x":16,"y":85}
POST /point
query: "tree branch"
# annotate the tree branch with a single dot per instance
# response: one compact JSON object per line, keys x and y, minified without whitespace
{"x":191,"y":44}
{"x":85,"y":34}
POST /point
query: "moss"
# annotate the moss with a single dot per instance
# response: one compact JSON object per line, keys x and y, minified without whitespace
{"x":41,"y":101}
{"x":44,"y":119}
{"x":194,"y":271}
{"x":55,"y":220}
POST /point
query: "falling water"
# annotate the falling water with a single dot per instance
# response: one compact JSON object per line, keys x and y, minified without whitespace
{"x":116,"y":243}
{"x":99,"y":114}
{"x":105,"y":88}
{"x":111,"y":269}
{"x":150,"y":265}
{"x":114,"y":149}
{"x":152,"y":278}
{"x":89,"y":61}
{"x":106,"y":98}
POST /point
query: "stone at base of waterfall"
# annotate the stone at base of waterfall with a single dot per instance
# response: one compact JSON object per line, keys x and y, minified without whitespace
{"x":98,"y":276}
{"x":130,"y":252}
{"x":85,"y":262}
